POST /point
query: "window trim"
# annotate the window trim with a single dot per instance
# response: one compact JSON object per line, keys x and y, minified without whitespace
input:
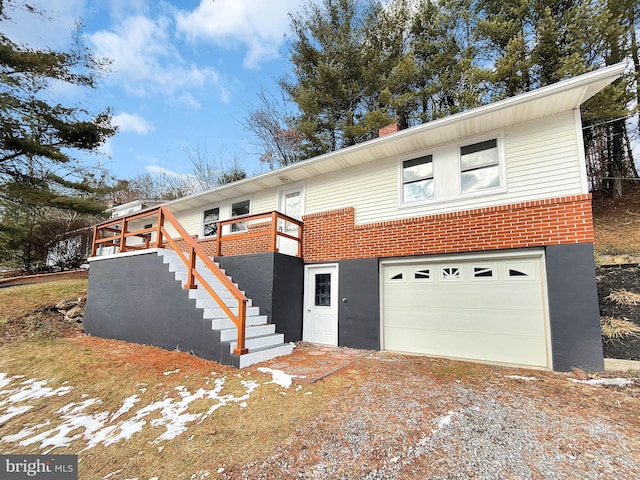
{"x":500,"y":148}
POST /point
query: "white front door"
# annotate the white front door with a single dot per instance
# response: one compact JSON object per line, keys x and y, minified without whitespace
{"x":290,"y":205}
{"x":321,"y":305}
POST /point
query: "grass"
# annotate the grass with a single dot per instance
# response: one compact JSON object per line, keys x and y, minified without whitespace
{"x":109,"y":371}
{"x":21,"y":300}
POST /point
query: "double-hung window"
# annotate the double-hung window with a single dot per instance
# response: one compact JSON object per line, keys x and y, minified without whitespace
{"x":479,"y":166}
{"x":417,"y":179}
{"x":238,"y":209}
{"x":210,"y":222}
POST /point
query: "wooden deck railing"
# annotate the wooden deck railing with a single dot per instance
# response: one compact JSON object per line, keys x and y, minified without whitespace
{"x":116,"y":232}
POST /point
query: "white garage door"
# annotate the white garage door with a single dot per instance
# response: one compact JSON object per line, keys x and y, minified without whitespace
{"x":486,"y":308}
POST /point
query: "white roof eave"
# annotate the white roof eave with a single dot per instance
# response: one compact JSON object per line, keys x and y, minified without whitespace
{"x":552,"y":99}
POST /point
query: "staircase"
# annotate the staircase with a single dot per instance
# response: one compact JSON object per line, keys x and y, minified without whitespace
{"x":260,"y":338}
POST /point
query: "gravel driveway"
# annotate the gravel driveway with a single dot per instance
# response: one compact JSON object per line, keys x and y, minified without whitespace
{"x":420,"y":418}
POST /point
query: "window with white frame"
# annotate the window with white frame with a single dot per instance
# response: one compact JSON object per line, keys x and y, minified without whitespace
{"x":417,"y":179}
{"x":210,"y":222}
{"x":479,"y":166}
{"x":238,"y":209}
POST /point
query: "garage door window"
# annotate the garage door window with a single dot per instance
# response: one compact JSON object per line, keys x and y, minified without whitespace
{"x":422,"y":274}
{"x":451,"y":273}
{"x":520,"y":271}
{"x":483,"y":272}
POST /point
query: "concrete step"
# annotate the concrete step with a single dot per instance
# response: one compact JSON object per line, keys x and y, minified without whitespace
{"x":264,"y":354}
{"x":226,"y":322}
{"x":263,"y":341}
{"x":217,"y":312}
{"x":200,"y":292}
{"x":231,"y":334}
{"x":211,"y":303}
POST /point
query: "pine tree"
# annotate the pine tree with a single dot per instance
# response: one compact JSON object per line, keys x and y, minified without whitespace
{"x":38,"y":138}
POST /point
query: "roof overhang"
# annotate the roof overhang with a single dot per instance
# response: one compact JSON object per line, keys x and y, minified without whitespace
{"x":560,"y":97}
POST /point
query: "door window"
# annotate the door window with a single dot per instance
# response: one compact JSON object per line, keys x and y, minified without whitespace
{"x":322,"y":290}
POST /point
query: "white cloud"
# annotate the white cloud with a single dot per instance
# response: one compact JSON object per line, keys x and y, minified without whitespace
{"x":146,"y":62}
{"x":132,"y":123}
{"x":50,"y":30}
{"x":165,"y":172}
{"x":259,"y":26}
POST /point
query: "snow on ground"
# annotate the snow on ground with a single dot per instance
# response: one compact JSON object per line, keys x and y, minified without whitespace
{"x":607,"y":382}
{"x":83,"y":421}
{"x":279,"y":377}
{"x":519,"y":377}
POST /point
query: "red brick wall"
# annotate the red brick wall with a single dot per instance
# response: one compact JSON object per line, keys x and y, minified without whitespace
{"x":330,"y":236}
{"x":235,"y":246}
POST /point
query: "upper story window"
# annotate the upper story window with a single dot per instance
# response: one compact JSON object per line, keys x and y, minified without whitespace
{"x":238,"y":209}
{"x":417,"y":179}
{"x":210,"y":221}
{"x":479,"y":166}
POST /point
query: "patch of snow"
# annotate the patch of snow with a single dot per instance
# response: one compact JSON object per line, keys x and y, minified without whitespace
{"x":33,"y":390}
{"x":279,"y":377}
{"x":160,"y":449}
{"x":126,"y":406}
{"x":74,"y":423}
{"x":519,"y":377}
{"x":612,"y":382}
{"x":14,"y":412}
{"x":171,"y":372}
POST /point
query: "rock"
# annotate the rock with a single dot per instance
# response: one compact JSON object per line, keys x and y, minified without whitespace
{"x":66,"y":304}
{"x":74,"y":312}
{"x":580,"y":374}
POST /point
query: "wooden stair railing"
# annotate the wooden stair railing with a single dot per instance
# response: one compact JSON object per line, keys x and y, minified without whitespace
{"x":195,"y":252}
{"x":119,"y":230}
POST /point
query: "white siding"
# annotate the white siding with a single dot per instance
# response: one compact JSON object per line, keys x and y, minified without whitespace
{"x":542,"y":161}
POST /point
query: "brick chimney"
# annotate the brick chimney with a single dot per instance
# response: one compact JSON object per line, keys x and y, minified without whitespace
{"x":388,"y":130}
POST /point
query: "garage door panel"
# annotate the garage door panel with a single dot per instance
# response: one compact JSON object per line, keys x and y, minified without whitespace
{"x":519,"y":296}
{"x":520,"y":350}
{"x":500,"y":317}
{"x":506,"y":322}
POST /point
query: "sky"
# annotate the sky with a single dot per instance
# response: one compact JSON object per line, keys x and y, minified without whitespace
{"x":183,"y":73}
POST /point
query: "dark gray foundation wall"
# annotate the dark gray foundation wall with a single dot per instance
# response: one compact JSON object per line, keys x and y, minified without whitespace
{"x":136,"y":299}
{"x":573,"y":307}
{"x":359,"y":304}
{"x":275,"y":283}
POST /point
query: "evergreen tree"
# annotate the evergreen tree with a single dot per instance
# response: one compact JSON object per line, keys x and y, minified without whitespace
{"x":331,"y":85}
{"x":38,"y":137}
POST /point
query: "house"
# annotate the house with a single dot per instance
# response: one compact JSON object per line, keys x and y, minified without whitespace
{"x":468,"y":237}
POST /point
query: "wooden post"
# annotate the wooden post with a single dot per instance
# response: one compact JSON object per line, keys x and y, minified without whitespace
{"x":241,"y":349}
{"x":273,"y":243}
{"x":191,"y":283}
{"x":219,"y":240}
{"x":300,"y":241}
{"x":160,"y":225}
{"x":94,"y":246}
{"x":123,"y":239}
